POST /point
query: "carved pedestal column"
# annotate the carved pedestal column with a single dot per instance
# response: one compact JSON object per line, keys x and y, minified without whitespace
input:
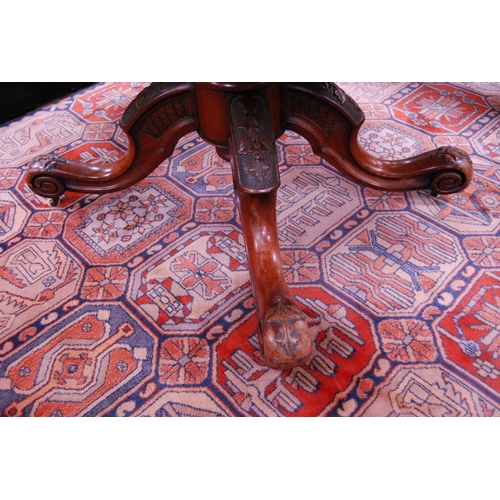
{"x":243,"y":121}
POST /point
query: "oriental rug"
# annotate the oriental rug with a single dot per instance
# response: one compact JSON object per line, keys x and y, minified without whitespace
{"x":138,"y":303}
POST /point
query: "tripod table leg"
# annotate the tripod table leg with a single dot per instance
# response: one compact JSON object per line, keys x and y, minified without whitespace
{"x":331,"y":121}
{"x":153,"y":123}
{"x":284,"y":335}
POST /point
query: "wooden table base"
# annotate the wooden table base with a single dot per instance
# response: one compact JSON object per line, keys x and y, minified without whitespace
{"x":243,"y":121}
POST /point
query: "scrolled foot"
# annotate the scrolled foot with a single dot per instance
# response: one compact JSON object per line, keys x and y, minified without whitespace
{"x":331,"y":121}
{"x":284,"y":335}
{"x":42,"y":180}
{"x":455,"y":178}
{"x":153,"y":123}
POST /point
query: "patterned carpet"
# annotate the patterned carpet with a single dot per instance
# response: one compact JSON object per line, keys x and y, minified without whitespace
{"x":138,"y":303}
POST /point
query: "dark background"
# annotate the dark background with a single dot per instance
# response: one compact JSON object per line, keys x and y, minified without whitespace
{"x":18,"y":99}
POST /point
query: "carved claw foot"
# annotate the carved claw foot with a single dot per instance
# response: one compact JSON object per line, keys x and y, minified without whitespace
{"x":284,"y":335}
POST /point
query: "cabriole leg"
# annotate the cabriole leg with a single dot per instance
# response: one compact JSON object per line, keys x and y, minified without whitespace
{"x":153,"y":123}
{"x":283,"y":331}
{"x":284,"y":335}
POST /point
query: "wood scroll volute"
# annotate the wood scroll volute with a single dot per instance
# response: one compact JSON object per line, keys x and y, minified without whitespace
{"x":153,"y":123}
{"x":330,"y":120}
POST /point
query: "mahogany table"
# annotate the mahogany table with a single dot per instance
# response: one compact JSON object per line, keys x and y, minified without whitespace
{"x":243,"y":121}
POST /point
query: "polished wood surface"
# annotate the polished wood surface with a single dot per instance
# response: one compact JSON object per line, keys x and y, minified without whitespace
{"x":243,"y":121}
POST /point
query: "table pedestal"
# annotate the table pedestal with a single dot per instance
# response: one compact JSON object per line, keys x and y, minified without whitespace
{"x":243,"y":121}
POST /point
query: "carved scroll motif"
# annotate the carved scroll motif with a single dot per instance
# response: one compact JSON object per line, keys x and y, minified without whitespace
{"x":332,"y":90}
{"x":453,"y":179}
{"x":337,"y":91}
{"x":254,"y":144}
{"x":41,"y":179}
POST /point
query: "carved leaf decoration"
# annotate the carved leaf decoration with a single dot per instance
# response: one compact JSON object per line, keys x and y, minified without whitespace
{"x":254,"y":140}
{"x":265,"y":145}
{"x":259,"y":167}
{"x":340,"y":94}
{"x":47,"y":162}
{"x":451,"y":155}
{"x":246,"y":146}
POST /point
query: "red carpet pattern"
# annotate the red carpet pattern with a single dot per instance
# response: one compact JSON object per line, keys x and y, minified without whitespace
{"x":138,"y":303}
